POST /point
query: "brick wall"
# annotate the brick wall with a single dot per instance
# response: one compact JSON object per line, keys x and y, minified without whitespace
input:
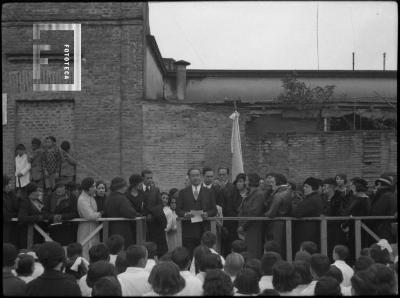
{"x":106,"y":131}
{"x":179,"y":136}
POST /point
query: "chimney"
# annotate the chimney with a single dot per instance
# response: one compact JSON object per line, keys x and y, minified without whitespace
{"x":353,"y":60}
{"x":181,"y":78}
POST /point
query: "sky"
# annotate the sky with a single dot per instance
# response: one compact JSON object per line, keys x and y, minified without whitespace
{"x":277,"y":35}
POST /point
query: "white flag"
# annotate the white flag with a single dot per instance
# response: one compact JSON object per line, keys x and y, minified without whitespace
{"x":236,"y":147}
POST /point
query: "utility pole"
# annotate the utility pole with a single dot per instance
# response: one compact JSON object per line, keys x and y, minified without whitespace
{"x":384,"y":61}
{"x":353,"y":60}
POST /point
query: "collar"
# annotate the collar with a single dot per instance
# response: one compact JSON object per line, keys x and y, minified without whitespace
{"x":340,"y":261}
{"x":266,"y":277}
{"x":207,"y":186}
{"x":53,"y":274}
{"x":186,"y":273}
{"x":135,"y":270}
{"x":144,"y":187}
{"x":196,"y":187}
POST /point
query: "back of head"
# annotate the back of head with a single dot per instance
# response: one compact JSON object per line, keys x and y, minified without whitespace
{"x":99,"y":252}
{"x":254,"y":264}
{"x":198,"y":253}
{"x":239,"y":246}
{"x":309,"y":246}
{"x":151,"y":249}
{"x":319,"y":265}
{"x":362,"y":263}
{"x":25,"y":265}
{"x":303,"y":256}
{"x":378,"y":279}
{"x":134,"y":255}
{"x":284,"y":277}
{"x":246,"y":282}
{"x":304,"y":272}
{"x":341,"y":252}
{"x":217,"y":283}
{"x":10,"y":254}
{"x":180,"y":256}
{"x":51,"y":254}
{"x":107,"y":286}
{"x":268,"y":261}
{"x":327,"y":286}
{"x":209,"y":239}
{"x":115,"y":244}
{"x":99,"y":269}
{"x":379,"y":255}
{"x":165,"y":279}
{"x":166,"y":257}
{"x":210,"y":261}
{"x":74,"y":249}
{"x":233,"y":263}
{"x":272,"y":245}
{"x":335,"y":273}
{"x":254,"y":179}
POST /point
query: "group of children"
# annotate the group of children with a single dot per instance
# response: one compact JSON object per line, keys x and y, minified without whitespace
{"x":45,"y":165}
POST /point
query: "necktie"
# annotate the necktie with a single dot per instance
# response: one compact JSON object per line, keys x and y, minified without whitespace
{"x":147,"y":188}
{"x":196,"y":193}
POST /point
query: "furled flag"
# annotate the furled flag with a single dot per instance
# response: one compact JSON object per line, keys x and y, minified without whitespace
{"x":236,"y":147}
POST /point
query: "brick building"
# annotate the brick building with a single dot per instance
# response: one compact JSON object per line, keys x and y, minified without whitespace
{"x":139,"y":110}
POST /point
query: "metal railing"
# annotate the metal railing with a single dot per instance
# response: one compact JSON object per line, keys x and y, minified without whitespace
{"x":141,"y":229}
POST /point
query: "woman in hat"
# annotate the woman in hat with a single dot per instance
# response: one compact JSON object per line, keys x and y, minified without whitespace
{"x":359,"y":206}
{"x":310,"y":206}
{"x":117,"y":205}
{"x":384,"y":203}
{"x":87,"y":209}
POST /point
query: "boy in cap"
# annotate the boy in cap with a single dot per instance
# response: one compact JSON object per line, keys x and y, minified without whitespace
{"x":53,"y":282}
{"x":12,"y":285}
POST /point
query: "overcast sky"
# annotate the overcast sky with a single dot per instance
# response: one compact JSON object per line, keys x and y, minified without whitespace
{"x":277,"y":35}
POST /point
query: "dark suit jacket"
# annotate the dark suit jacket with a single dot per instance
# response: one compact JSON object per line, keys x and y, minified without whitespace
{"x":231,"y":200}
{"x":53,"y":283}
{"x":186,"y":203}
{"x":12,"y":285}
{"x":152,"y":204}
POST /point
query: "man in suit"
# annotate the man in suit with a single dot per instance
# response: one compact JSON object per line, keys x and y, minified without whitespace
{"x":153,"y":210}
{"x":230,"y":206}
{"x":195,"y":197}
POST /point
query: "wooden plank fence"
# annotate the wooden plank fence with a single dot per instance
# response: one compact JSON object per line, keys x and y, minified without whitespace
{"x":141,"y":228}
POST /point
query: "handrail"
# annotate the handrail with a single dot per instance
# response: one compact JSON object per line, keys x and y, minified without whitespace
{"x":235,"y":218}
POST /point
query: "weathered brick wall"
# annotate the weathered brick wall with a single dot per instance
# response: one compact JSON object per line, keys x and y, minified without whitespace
{"x":178,"y":136}
{"x":106,"y":132}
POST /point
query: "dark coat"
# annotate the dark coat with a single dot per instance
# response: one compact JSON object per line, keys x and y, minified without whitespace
{"x":383,"y":204}
{"x":117,"y":205}
{"x":186,"y":202}
{"x":53,"y":283}
{"x":231,"y":200}
{"x":310,"y":206}
{"x":157,"y":222}
{"x":28,"y":213}
{"x":253,"y":206}
{"x":136,"y":202}
{"x":12,"y":285}
{"x":100,"y":201}
{"x":65,"y":232}
{"x":10,"y":210}
{"x":281,"y":206}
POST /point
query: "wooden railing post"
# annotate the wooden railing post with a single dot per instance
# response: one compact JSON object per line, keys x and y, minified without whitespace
{"x":357,"y":230}
{"x":324,"y":236}
{"x":105,"y":230}
{"x":139,"y":231}
{"x":29,"y":242}
{"x":288,"y":225}
{"x":179,"y":231}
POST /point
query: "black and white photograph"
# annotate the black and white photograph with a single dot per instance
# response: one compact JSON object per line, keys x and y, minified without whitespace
{"x":199,"y":148}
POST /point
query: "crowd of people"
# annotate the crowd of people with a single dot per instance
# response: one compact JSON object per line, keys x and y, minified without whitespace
{"x":47,"y":193}
{"x":116,"y":270}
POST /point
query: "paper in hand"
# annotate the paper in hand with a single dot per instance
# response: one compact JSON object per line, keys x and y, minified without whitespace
{"x":197,"y":216}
